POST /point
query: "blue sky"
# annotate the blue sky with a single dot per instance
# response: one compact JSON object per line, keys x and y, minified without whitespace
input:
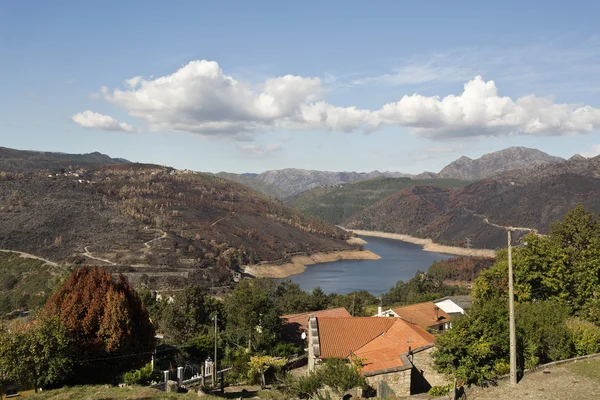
{"x":337,"y":85}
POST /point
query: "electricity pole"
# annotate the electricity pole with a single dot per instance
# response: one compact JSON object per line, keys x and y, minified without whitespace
{"x":511,"y":306}
{"x":214,"y":377}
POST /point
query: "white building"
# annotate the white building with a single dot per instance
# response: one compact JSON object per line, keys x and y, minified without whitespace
{"x":454,"y":305}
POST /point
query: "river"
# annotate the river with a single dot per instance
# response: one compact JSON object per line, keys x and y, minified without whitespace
{"x":399,"y":261}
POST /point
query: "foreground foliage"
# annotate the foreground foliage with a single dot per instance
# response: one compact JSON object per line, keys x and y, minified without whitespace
{"x":555,"y":277}
{"x":335,"y":374}
{"x":36,"y":354}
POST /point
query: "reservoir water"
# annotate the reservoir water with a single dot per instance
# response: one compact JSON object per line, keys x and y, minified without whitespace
{"x":399,"y":261}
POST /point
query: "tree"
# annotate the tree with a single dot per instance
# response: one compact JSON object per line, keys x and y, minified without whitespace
{"x":319,"y":299}
{"x":189,"y":315}
{"x":107,"y":322}
{"x":260,"y":364}
{"x":291,"y":299}
{"x":477,"y":345}
{"x":251,"y":312}
{"x":563,"y":267}
{"x":37,"y":353}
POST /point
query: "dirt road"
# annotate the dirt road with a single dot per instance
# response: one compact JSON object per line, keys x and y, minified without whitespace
{"x":27,"y":255}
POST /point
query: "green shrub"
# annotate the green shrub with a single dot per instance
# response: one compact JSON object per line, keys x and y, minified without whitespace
{"x":141,"y":376}
{"x":440,"y":390}
{"x":502,"y":367}
{"x":585,"y":336}
{"x":286,"y":350}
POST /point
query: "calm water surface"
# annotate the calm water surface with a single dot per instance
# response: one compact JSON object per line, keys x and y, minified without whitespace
{"x":399,"y":261}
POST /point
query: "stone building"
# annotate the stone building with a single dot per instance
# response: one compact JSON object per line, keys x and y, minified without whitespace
{"x":396,"y":353}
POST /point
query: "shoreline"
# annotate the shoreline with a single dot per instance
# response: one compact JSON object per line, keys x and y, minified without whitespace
{"x":299,"y":263}
{"x":428,"y":244}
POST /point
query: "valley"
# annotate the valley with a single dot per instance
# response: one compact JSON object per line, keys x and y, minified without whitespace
{"x":165,"y":228}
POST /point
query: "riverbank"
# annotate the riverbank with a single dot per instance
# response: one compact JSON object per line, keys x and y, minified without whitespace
{"x":428,"y":244}
{"x":299,"y":263}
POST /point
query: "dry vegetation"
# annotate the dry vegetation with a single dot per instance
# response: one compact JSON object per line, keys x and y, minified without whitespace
{"x":148,"y":216}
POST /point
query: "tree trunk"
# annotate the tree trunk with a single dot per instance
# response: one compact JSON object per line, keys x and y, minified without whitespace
{"x":263,"y":382}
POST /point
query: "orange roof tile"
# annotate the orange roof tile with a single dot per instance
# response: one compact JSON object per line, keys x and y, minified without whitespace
{"x":339,"y":336}
{"x":423,"y":314}
{"x":384,"y":351}
{"x":302,"y":318}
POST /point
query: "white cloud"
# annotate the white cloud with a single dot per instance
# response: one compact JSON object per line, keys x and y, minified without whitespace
{"x":479,"y":111}
{"x":199,"y":98}
{"x":255,"y":150}
{"x":90,"y":119}
{"x":593,"y":153}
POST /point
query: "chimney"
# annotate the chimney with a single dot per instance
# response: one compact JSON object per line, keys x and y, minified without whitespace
{"x":314,"y":350}
{"x":437,"y":313}
{"x":379,"y":311}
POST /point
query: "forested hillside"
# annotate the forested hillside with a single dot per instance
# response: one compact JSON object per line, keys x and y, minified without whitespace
{"x":338,"y":203}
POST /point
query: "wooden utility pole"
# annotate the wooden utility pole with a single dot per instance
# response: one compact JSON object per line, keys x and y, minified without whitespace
{"x":214,"y":377}
{"x":511,"y":306}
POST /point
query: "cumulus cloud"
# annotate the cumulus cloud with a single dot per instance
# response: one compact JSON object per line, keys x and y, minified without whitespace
{"x":90,"y":119}
{"x":200,"y":98}
{"x":255,"y":150}
{"x":479,"y":111}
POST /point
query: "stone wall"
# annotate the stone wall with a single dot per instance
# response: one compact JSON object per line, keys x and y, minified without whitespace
{"x":423,"y":361}
{"x":391,"y":384}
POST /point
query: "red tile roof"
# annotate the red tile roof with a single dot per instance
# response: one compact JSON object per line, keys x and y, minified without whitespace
{"x":384,"y":351}
{"x":423,"y":314}
{"x":339,"y":336}
{"x":302,"y":318}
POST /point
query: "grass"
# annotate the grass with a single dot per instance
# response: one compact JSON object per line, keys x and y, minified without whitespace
{"x":587,"y":368}
{"x":105,"y":392}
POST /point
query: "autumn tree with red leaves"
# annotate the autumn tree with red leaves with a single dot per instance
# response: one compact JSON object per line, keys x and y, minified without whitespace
{"x":107,"y":322}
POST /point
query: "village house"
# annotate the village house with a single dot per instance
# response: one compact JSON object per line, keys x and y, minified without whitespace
{"x":427,"y":315}
{"x":295,"y":326}
{"x":396,"y":353}
{"x":454,"y":305}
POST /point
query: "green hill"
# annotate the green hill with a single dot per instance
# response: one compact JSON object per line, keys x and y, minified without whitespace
{"x":26,"y":283}
{"x":338,"y":202}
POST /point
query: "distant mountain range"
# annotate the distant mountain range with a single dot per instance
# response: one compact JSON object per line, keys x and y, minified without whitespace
{"x":513,"y":158}
{"x":25,"y":161}
{"x":290,"y":182}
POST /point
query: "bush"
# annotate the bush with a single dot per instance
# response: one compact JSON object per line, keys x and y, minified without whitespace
{"x":440,"y":390}
{"x":543,"y":332}
{"x":141,"y":376}
{"x":585,"y":336}
{"x":286,"y":350}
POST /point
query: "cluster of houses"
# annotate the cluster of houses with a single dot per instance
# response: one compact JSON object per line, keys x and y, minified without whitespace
{"x":395,"y":345}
